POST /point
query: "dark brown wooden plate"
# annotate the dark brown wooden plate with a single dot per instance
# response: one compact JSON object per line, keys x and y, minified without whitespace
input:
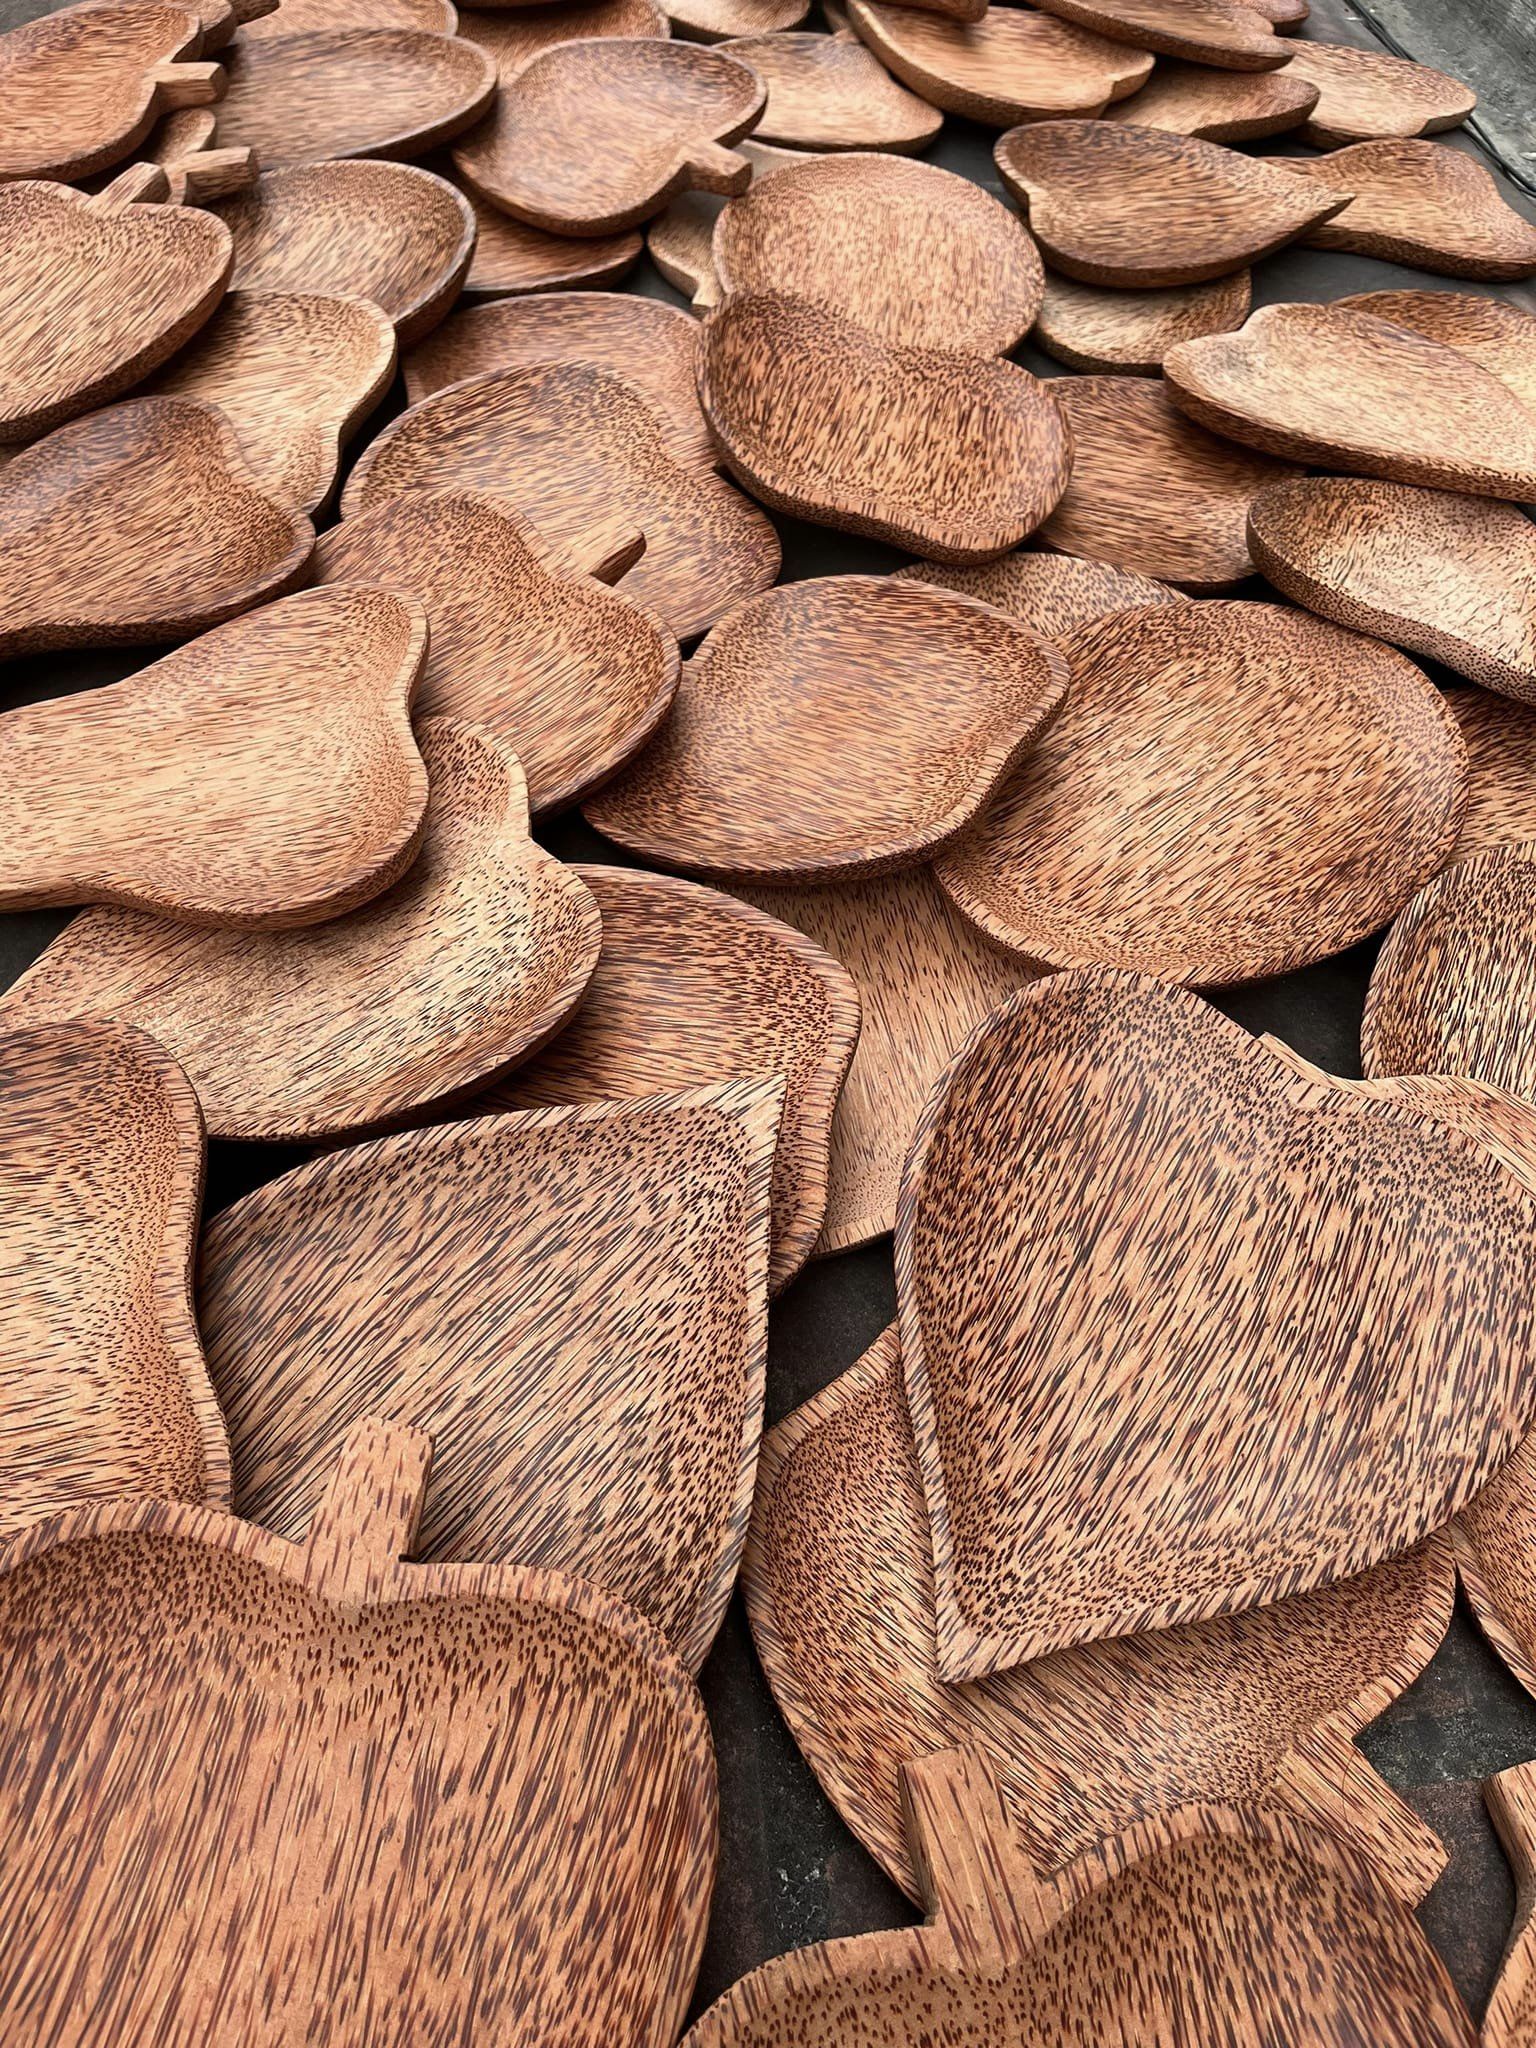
{"x":828,"y":92}
{"x":1224,"y":33}
{"x":1365,"y":94}
{"x":1220,"y":106}
{"x":1425,"y":205}
{"x":1127,"y":333}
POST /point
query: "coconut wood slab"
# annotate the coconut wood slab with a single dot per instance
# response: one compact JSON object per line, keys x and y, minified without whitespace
{"x":296,"y":17}
{"x":1501,"y":764}
{"x":1089,"y":327}
{"x":841,"y":726}
{"x":389,"y":92}
{"x":681,"y":237}
{"x":85,"y":516}
{"x":1090,"y":187}
{"x":1326,"y":385}
{"x":1510,"y":2021}
{"x":1051,"y":594}
{"x":1258,"y":1707}
{"x":263,"y":774}
{"x":1367,"y":94}
{"x":694,"y":986}
{"x":595,"y":136}
{"x":1428,"y":206}
{"x":511,"y":257}
{"x":569,"y":446}
{"x":1220,"y":106}
{"x":1224,"y":33}
{"x":828,"y":92}
{"x":463,"y":968}
{"x":513,"y":37}
{"x":573,"y":1300}
{"x":208,"y":1723}
{"x":1494,"y":333}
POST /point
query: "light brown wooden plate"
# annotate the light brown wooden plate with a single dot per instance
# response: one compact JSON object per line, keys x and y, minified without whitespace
{"x":842,"y":726}
{"x":515,"y":35}
{"x":1089,"y":189}
{"x":257,"y":1788}
{"x":1051,"y":594}
{"x":828,"y":92}
{"x":569,"y":446}
{"x":1331,"y":386}
{"x":1224,"y":33}
{"x":222,"y":18}
{"x":87,"y":512}
{"x":263,"y":774}
{"x":297,"y":17}
{"x":681,"y":237}
{"x":466,"y":966}
{"x":1258,"y":1707}
{"x":714,"y":21}
{"x":1220,"y":106}
{"x":595,"y":136}
{"x":1494,"y":333}
{"x":1510,"y":2021}
{"x":1501,"y":764}
{"x":1368,"y":93}
{"x":1092,"y":327}
{"x":511,"y":257}
{"x":1425,"y":205}
{"x":573,"y":1301}
{"x":197,"y":171}
{"x":955,"y":457}
{"x":389,"y":92}
{"x":694,"y":986}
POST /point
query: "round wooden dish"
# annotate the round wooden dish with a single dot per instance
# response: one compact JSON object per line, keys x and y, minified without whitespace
{"x":828,"y":92}
{"x":1091,"y":327}
{"x":681,"y":237}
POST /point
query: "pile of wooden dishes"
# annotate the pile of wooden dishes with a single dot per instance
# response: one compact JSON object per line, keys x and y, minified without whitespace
{"x":361,"y":1546}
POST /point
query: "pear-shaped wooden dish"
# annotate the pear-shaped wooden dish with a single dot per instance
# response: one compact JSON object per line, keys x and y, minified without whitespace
{"x":569,"y":446}
{"x":206,"y":1719}
{"x":390,"y":92}
{"x":952,"y":456}
{"x":681,"y":237}
{"x":84,"y":518}
{"x":463,"y":968}
{"x":1223,"y":33}
{"x":1338,"y":388}
{"x":1494,"y":333}
{"x":1367,"y":93}
{"x":1425,"y":205}
{"x":1089,"y":189}
{"x":936,"y":698}
{"x":516,"y":34}
{"x":915,"y":254}
{"x":694,"y":986}
{"x":1219,"y":106}
{"x":1510,"y":2021}
{"x":594,"y":136}
{"x":298,"y":17}
{"x":1258,"y":1707}
{"x":1127,"y":333}
{"x":828,"y":92}
{"x":101,"y":1155}
{"x":1500,"y":738}
{"x":263,"y":774}
{"x":511,"y":258}
{"x":1185,"y":815}
{"x":573,"y":1301}
{"x":1051,"y":594}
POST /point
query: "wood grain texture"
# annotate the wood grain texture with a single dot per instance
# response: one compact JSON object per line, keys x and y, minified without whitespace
{"x":1223,"y":33}
{"x":1494,"y":333}
{"x":1259,"y":1708}
{"x":1493,"y":1551}
{"x":1346,"y":391}
{"x":1511,"y":2017}
{"x":389,"y":92}
{"x":1427,"y":206}
{"x":514,"y":36}
{"x":1051,"y":594}
{"x":296,"y":17}
{"x":828,"y":92}
{"x":713,"y":21}
{"x":568,"y":446}
{"x":221,"y":19}
{"x":511,"y":257}
{"x":572,"y":1301}
{"x":681,"y":237}
{"x":1500,"y":739}
{"x":1367,"y":93}
{"x":694,"y":986}
{"x":139,"y":522}
{"x":836,"y":727}
{"x":210,"y":1730}
{"x":595,"y":136}
{"x":184,"y":145}
{"x":263,"y":774}
{"x":466,"y":966}
{"x":1220,"y":106}
{"x":1092,"y":327}
{"x":954,"y":457}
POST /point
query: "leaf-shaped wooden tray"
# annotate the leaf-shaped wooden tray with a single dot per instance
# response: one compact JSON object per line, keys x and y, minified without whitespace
{"x":953,"y":456}
{"x":913,"y":253}
{"x":258,"y":1789}
{"x":1185,"y":815}
{"x":513,"y":37}
{"x":263,"y":774}
{"x":1328,"y":385}
{"x":1094,"y":327}
{"x":511,"y":257}
{"x":1427,"y":206}
{"x":594,"y":136}
{"x":694,"y":986}
{"x":1220,"y":106}
{"x":573,"y":1301}
{"x":297,"y":17}
{"x":464,"y":967}
{"x":1368,"y":93}
{"x":681,"y":237}
{"x":1258,"y":1707}
{"x":391,"y":92}
{"x":84,"y":516}
{"x":1052,"y":594}
{"x":1069,"y":1405}
{"x":1494,"y":333}
{"x":828,"y":92}
{"x":570,"y":446}
{"x":1510,"y":2021}
{"x":1089,"y":189}
{"x":937,"y":696}
{"x":1223,"y":33}
{"x":1501,"y":767}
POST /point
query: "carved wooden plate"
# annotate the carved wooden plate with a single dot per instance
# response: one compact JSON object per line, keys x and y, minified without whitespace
{"x":573,"y":1301}
{"x":206,"y":1718}
{"x":568,"y":445}
{"x":515,"y":35}
{"x":263,"y":774}
{"x":1091,"y":327}
{"x":1366,"y":94}
{"x":712,"y":21}
{"x":828,"y":92}
{"x":1220,"y":106}
{"x":1224,"y":33}
{"x":295,"y":17}
{"x":1494,"y":333}
{"x":390,"y":92}
{"x":1427,"y":206}
{"x":694,"y":986}
{"x":681,"y":237}
{"x":847,"y":725}
{"x":1051,"y":594}
{"x":1510,"y":2021}
{"x":511,"y":257}
{"x":1501,"y":764}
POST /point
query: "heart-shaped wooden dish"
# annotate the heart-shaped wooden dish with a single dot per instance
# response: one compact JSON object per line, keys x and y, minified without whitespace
{"x":263,"y":774}
{"x":954,"y":457}
{"x":915,"y":254}
{"x":1222,"y":33}
{"x":694,"y":986}
{"x":1510,"y":2020}
{"x":1368,"y":93}
{"x":1427,"y":206}
{"x":936,"y":697}
{"x":1051,"y":594}
{"x":1219,"y":106}
{"x":206,"y":1717}
{"x":1089,"y":189}
{"x":1494,"y":333}
{"x":1185,"y":816}
{"x":681,"y":237}
{"x":1500,"y":738}
{"x":84,"y":519}
{"x":511,"y":258}
{"x":573,"y":1301}
{"x":828,"y":92}
{"x":514,"y":36}
{"x":1091,"y":327}
{"x":464,"y":967}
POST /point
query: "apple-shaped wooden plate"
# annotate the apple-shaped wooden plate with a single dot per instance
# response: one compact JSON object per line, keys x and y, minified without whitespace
{"x":1366,"y":94}
{"x":1510,"y":2021}
{"x":1219,"y":106}
{"x":514,"y":35}
{"x":1052,"y":594}
{"x":1222,"y":33}
{"x":1494,"y":333}
{"x":1500,"y":737}
{"x":681,"y":237}
{"x":1094,"y":327}
{"x":1425,"y":205}
{"x":511,"y":257}
{"x":828,"y":92}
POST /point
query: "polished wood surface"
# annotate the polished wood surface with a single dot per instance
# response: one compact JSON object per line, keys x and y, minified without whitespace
{"x":1094,"y":327}
{"x":1511,"y":2016}
{"x":828,"y":92}
{"x":511,"y":257}
{"x":514,"y":36}
{"x":681,"y":237}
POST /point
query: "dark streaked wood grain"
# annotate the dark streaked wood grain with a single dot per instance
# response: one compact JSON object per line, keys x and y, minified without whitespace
{"x":712,"y":21}
{"x":1051,"y":594}
{"x":295,"y":17}
{"x":1220,"y":106}
{"x":1367,"y":93}
{"x":1093,"y":327}
{"x":1500,"y":739}
{"x":1511,"y":2017}
{"x":681,"y":237}
{"x":828,"y":92}
{"x":1427,"y":206}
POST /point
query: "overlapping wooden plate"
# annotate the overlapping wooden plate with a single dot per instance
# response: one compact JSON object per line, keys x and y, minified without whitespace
{"x":712,"y":21}
{"x":263,"y":774}
{"x":1093,"y":327}
{"x":1510,"y":2021}
{"x":955,"y":457}
{"x":1051,"y":594}
{"x":1500,"y":738}
{"x":570,"y":446}
{"x":1090,"y":187}
{"x":681,"y":237}
{"x":1365,"y":94}
{"x":1220,"y":106}
{"x":513,"y":36}
{"x":511,"y":257}
{"x":694,"y":986}
{"x":464,"y":967}
{"x":1258,"y":1707}
{"x":1425,"y":205}
{"x":596,"y":135}
{"x":1185,"y":814}
{"x":828,"y":92}
{"x":842,"y":726}
{"x":1494,"y":333}
{"x":139,"y":522}
{"x":1223,"y":33}
{"x":258,"y":1789}
{"x":573,"y":1301}
{"x":295,"y":17}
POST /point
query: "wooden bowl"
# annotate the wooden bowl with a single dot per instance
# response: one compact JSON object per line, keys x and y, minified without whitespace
{"x":681,"y":237}
{"x":515,"y":35}
{"x":1500,"y":738}
{"x":1494,"y":333}
{"x":1128,"y":333}
{"x":1220,"y":106}
{"x":1052,"y":594}
{"x":1365,"y":94}
{"x":390,"y":92}
{"x":1428,"y":206}
{"x":828,"y":92}
{"x":511,"y":258}
{"x":1223,"y":33}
